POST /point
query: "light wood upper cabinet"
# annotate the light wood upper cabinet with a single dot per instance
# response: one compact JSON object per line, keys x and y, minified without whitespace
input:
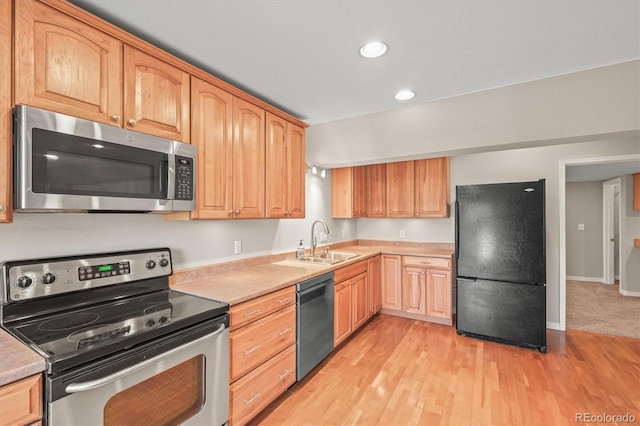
{"x":65,"y":65}
{"x":432,"y":187}
{"x":5,"y":112}
{"x":212,"y":134}
{"x":285,"y":166}
{"x":248,"y":160}
{"x":636,"y":191}
{"x":348,"y":192}
{"x":400,"y":189}
{"x":418,"y":188}
{"x":376,"y":190}
{"x":156,"y":96}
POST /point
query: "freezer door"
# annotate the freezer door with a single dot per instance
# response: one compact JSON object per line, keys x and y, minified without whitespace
{"x":500,"y":232}
{"x":506,"y":312}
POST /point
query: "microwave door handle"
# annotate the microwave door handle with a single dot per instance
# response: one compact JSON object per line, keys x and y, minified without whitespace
{"x":170,"y":176}
{"x":163,"y":176}
{"x":93,"y":384}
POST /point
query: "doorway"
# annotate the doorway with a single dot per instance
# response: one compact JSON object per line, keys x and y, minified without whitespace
{"x":611,"y":227}
{"x":598,"y":169}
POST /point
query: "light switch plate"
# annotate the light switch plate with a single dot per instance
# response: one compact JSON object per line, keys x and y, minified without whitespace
{"x":581,"y":227}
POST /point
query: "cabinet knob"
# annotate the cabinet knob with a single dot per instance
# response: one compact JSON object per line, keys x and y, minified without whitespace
{"x":230,"y":212}
{"x":3,"y":208}
{"x":237,"y":212}
{"x":115,"y":117}
{"x":132,"y":122}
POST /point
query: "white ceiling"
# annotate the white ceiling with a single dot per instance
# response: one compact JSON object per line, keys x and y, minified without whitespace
{"x":301,"y":55}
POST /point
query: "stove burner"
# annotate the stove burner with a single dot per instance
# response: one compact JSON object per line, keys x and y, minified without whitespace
{"x":67,"y":322}
{"x":155,"y":299}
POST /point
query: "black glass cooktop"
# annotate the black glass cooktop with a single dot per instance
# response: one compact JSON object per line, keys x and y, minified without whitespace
{"x":77,"y":336}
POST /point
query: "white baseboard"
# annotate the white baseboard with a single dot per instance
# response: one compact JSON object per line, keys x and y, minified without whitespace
{"x":630,"y":293}
{"x":591,"y":279}
{"x":554,"y":325}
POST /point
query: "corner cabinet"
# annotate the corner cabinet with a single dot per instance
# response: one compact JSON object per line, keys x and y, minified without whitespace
{"x":285,"y":169}
{"x":6,"y":184}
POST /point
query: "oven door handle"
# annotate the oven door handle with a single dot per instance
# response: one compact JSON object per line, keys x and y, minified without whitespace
{"x":93,"y":384}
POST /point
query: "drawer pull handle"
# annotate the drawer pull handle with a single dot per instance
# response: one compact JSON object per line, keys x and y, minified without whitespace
{"x":286,"y":299}
{"x":283,"y":375}
{"x":252,"y":349}
{"x":255,"y":396}
{"x":426,"y":263}
{"x":248,"y":314}
{"x":285,"y":331}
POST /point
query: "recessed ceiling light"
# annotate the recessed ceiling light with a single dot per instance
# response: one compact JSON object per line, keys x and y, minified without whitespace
{"x":404,"y":95}
{"x":373,"y":49}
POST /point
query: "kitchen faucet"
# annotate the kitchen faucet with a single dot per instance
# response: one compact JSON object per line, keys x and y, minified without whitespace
{"x":313,"y":242}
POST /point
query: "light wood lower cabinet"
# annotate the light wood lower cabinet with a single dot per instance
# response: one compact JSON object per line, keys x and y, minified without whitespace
{"x":374,"y":272}
{"x":262,"y":352}
{"x":352,"y":300}
{"x":249,"y":395}
{"x":21,"y":402}
{"x":422,"y":290}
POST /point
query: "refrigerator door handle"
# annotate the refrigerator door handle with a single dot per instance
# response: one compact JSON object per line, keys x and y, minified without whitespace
{"x":457,"y":239}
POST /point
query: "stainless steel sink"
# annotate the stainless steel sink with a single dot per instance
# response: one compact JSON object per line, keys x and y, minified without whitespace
{"x":329,"y":258}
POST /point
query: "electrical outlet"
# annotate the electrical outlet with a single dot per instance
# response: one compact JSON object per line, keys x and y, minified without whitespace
{"x":237,"y":247}
{"x":344,"y":233}
{"x":581,"y":227}
{"x":323,"y":237}
{"x":402,"y":233}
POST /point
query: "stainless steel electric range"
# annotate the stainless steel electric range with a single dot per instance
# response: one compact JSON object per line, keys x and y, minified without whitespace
{"x":119,"y":344}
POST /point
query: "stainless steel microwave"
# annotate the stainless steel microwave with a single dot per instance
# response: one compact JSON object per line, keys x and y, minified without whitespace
{"x":64,"y":163}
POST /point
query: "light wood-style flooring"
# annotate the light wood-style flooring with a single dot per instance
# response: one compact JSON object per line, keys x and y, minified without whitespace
{"x":397,"y":371}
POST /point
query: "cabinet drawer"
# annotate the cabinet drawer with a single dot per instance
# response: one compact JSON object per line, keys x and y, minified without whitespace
{"x":350,"y":271}
{"x":426,"y":262}
{"x":249,"y":311}
{"x":249,"y":395}
{"x":254,"y":344}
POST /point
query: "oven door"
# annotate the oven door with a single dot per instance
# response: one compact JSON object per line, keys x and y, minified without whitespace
{"x":182,"y":380}
{"x":66,"y":163}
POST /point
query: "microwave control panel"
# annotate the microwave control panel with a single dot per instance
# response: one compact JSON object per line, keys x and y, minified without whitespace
{"x":184,"y":178}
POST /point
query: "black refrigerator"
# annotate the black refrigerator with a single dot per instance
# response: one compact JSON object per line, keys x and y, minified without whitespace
{"x":501,"y":263}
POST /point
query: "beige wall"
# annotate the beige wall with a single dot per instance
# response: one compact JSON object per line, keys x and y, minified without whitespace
{"x":597,"y":104}
{"x":584,"y":248}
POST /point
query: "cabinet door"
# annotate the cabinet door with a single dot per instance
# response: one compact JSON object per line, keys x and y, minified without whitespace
{"x":277,"y":167}
{"x":359,"y":300}
{"x":248,"y":160}
{"x":342,"y":323}
{"x":359,"y":192}
{"x":65,"y":65}
{"x":413,"y":290}
{"x":439,"y":294}
{"x":212,"y":130}
{"x":21,"y":401}
{"x":5,"y":112}
{"x":342,"y":192}
{"x":376,"y":190}
{"x":156,"y":96}
{"x":400,"y":189}
{"x":391,"y":282}
{"x":296,"y":173}
{"x":432,"y":187}
{"x":375,"y":275}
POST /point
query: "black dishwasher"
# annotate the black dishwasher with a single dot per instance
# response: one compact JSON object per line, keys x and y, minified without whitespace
{"x":314,"y":322}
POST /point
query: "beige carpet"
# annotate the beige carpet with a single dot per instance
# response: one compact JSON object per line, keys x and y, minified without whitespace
{"x":602,"y":309}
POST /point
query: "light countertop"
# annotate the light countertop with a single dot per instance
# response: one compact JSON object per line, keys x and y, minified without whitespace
{"x":17,"y":360}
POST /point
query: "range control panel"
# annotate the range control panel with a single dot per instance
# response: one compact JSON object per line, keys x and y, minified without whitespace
{"x":31,"y":279}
